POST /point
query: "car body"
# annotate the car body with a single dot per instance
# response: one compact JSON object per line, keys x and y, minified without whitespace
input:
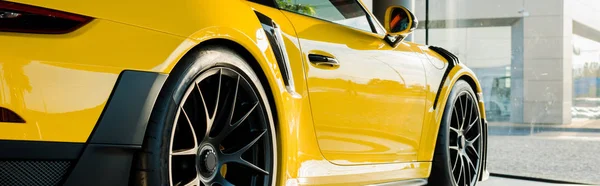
{"x":82,"y":98}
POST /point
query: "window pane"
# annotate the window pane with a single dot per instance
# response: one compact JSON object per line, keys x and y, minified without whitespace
{"x":539,"y":68}
{"x":345,"y":12}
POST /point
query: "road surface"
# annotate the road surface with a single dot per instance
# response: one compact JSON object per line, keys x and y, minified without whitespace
{"x":570,"y":156}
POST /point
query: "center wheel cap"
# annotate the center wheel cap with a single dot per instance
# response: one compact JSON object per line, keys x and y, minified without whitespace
{"x":208,"y":161}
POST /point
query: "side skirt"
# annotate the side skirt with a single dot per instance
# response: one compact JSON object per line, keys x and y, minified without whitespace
{"x":413,"y":182}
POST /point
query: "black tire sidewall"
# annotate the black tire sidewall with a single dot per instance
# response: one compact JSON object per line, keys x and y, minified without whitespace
{"x":154,"y":162}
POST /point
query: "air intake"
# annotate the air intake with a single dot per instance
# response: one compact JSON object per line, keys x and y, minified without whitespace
{"x":32,"y":173}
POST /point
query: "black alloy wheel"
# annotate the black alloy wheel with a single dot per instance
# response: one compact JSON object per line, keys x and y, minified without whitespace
{"x":211,"y":125}
{"x":465,"y":140}
{"x":457,"y":157}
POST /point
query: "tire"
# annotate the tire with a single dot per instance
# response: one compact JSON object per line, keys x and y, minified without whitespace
{"x":455,"y":148}
{"x":211,"y":87}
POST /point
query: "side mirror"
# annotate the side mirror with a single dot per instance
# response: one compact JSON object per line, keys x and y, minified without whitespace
{"x":399,"y":23}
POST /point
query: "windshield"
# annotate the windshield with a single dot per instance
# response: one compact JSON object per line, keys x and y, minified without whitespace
{"x":539,"y":67}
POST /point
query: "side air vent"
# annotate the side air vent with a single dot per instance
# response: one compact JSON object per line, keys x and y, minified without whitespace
{"x":10,"y":116}
{"x":32,"y":173}
{"x":452,"y":61}
{"x":275,"y":37}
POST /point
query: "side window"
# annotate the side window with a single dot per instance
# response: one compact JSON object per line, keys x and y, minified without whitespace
{"x":344,"y":12}
{"x":270,"y":3}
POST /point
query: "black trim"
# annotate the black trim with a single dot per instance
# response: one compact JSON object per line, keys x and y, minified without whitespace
{"x":392,"y":40}
{"x":537,"y":179}
{"x":102,"y":165}
{"x":120,"y":131}
{"x":34,"y":150}
{"x":452,"y":61}
{"x":426,"y":22}
{"x":270,"y":3}
{"x":127,"y":113}
{"x":369,"y":17}
{"x":278,"y":48}
{"x":328,"y":21}
{"x":9,"y":116}
{"x":410,"y":182}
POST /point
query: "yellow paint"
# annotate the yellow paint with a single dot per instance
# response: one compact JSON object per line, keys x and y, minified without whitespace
{"x":371,"y":118}
{"x":60,"y":83}
{"x":370,"y":108}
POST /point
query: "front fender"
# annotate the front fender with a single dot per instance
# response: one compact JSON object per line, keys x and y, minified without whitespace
{"x":455,"y":73}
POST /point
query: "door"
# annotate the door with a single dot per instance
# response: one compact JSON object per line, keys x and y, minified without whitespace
{"x":367,"y":107}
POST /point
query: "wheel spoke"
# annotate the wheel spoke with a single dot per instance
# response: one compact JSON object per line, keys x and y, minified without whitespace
{"x":474,"y":151}
{"x":194,"y":149}
{"x":456,"y":116}
{"x":470,"y":109}
{"x":209,"y":120}
{"x":245,"y":148}
{"x":472,"y":124}
{"x":253,"y":167}
{"x":454,"y":130}
{"x":194,"y":182}
{"x":235,"y":93}
{"x":454,"y":148}
{"x":462,"y":110}
{"x":218,"y":94}
{"x":470,"y":142}
{"x":184,"y":152}
{"x":464,"y":171}
{"x":219,"y":181}
{"x":191,"y":127}
{"x":460,"y":170}
{"x":231,"y":127}
{"x":455,"y":162}
{"x":470,"y":163}
{"x":246,"y":115}
{"x":468,"y":177}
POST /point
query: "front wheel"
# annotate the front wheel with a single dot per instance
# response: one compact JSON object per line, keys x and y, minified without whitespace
{"x":211,"y":125}
{"x":457,"y":158}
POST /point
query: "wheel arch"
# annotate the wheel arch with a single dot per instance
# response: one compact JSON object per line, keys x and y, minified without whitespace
{"x":242,"y":45}
{"x":458,"y":72}
{"x":254,"y":64}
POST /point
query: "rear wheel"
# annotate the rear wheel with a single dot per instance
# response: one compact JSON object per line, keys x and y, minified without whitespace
{"x":211,"y":125}
{"x":457,"y":158}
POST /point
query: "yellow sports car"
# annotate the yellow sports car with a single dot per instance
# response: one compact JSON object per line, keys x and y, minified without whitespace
{"x":231,"y":92}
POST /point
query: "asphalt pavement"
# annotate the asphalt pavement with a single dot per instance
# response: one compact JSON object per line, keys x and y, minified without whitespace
{"x":558,"y":153}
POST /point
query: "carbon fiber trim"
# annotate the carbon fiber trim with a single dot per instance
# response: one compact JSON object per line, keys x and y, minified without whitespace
{"x":32,"y":173}
{"x":452,"y":61}
{"x":275,"y":37}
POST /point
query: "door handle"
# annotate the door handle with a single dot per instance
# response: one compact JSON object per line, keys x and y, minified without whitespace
{"x":323,"y":60}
